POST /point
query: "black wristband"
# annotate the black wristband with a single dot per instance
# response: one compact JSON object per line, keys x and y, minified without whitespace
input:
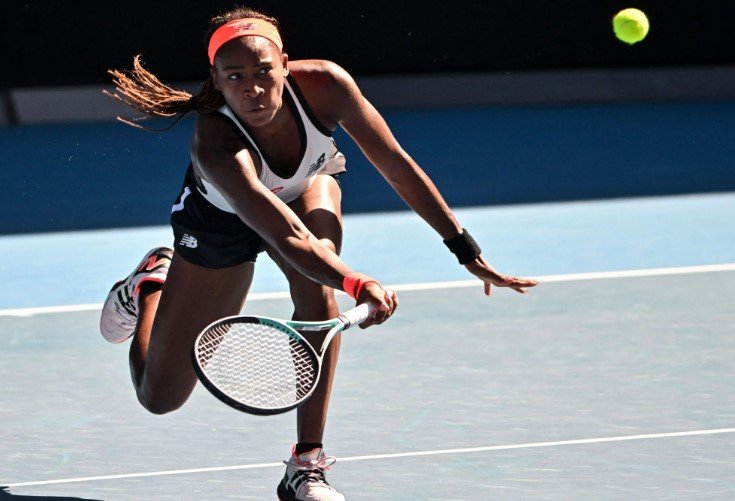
{"x":464,"y":247}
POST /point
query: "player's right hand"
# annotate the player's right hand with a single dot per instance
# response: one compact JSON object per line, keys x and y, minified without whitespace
{"x":385,"y":302}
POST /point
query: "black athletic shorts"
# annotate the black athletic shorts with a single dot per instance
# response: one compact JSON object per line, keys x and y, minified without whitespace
{"x":207,"y":236}
{"x":210,"y":237}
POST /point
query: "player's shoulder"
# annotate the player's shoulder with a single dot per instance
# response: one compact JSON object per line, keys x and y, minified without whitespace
{"x":320,"y":73}
{"x":214,"y":138}
{"x":327,"y":87}
{"x":213,"y":129}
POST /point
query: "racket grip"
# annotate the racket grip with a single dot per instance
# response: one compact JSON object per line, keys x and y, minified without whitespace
{"x":357,"y":315}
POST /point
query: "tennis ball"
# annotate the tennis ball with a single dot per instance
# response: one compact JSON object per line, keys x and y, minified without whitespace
{"x":630,"y":25}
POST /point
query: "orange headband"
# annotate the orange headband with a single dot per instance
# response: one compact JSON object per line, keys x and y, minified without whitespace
{"x":242,"y":28}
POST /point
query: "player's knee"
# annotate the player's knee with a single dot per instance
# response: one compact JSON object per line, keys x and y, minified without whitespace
{"x":158,"y":406}
{"x":313,"y":301}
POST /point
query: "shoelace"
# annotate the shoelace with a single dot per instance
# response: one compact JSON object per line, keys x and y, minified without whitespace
{"x":126,"y":307}
{"x":130,"y":302}
{"x":313,"y":470}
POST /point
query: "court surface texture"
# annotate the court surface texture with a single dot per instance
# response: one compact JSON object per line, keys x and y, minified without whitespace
{"x":611,"y":380}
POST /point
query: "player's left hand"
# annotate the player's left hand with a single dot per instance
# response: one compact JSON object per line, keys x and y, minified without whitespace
{"x":482,"y":270}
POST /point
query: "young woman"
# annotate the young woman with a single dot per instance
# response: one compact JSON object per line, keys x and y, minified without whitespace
{"x":263,"y":178}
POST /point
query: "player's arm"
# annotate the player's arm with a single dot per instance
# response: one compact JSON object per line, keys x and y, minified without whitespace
{"x":371,"y":133}
{"x":229,"y":166}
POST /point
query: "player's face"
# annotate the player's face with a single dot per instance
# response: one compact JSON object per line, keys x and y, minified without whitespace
{"x":249,"y":72}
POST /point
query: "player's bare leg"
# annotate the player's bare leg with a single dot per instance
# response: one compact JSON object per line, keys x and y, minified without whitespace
{"x":319,"y":209}
{"x":170,"y":319}
{"x":317,"y":304}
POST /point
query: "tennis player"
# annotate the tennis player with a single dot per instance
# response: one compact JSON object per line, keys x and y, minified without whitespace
{"x":263,"y":177}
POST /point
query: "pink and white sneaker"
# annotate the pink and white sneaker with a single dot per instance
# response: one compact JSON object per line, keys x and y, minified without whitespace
{"x":120,"y":311}
{"x":304,"y":479}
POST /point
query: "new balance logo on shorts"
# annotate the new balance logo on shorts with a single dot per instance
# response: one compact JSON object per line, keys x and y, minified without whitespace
{"x":188,"y":241}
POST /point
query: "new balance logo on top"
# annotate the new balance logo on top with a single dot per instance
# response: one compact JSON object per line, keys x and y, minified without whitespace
{"x":316,"y":165}
{"x":188,"y":241}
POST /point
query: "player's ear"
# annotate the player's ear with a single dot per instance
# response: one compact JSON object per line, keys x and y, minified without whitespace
{"x":284,"y":61}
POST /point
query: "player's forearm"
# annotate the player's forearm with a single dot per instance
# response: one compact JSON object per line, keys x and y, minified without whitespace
{"x":315,"y":260}
{"x":287,"y":234}
{"x":419,"y":192}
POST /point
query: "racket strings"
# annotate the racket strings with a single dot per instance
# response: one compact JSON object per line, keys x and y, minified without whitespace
{"x":258,"y":365}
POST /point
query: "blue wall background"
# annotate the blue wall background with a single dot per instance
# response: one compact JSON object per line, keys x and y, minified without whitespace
{"x":81,"y":176}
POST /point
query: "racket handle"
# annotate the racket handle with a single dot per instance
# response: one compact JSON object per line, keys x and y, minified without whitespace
{"x":357,"y":315}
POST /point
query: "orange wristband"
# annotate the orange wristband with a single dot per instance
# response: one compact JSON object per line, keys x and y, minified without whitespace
{"x":354,"y":283}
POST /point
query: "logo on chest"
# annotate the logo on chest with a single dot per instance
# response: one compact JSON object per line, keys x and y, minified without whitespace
{"x":316,"y":165}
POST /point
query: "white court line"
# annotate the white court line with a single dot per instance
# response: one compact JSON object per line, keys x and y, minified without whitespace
{"x":385,"y":456}
{"x":570,"y":277}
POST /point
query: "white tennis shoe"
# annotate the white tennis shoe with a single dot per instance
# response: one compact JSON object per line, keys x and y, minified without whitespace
{"x":120,"y":311}
{"x":304,"y":479}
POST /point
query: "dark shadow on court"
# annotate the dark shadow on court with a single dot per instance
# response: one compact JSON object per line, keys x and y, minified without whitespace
{"x":4,"y":494}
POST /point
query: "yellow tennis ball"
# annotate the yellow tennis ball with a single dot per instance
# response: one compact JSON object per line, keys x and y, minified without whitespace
{"x":630,"y":25}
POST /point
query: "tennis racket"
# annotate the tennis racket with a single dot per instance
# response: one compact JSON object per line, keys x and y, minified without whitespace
{"x":262,"y":365}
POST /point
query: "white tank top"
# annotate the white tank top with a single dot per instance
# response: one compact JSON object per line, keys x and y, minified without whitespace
{"x":319,"y":154}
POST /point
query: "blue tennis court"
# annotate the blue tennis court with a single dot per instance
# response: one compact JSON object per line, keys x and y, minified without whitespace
{"x":601,"y":167}
{"x":611,"y":380}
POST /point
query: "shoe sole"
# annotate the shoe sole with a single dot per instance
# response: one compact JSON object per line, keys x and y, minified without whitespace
{"x":283,"y":494}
